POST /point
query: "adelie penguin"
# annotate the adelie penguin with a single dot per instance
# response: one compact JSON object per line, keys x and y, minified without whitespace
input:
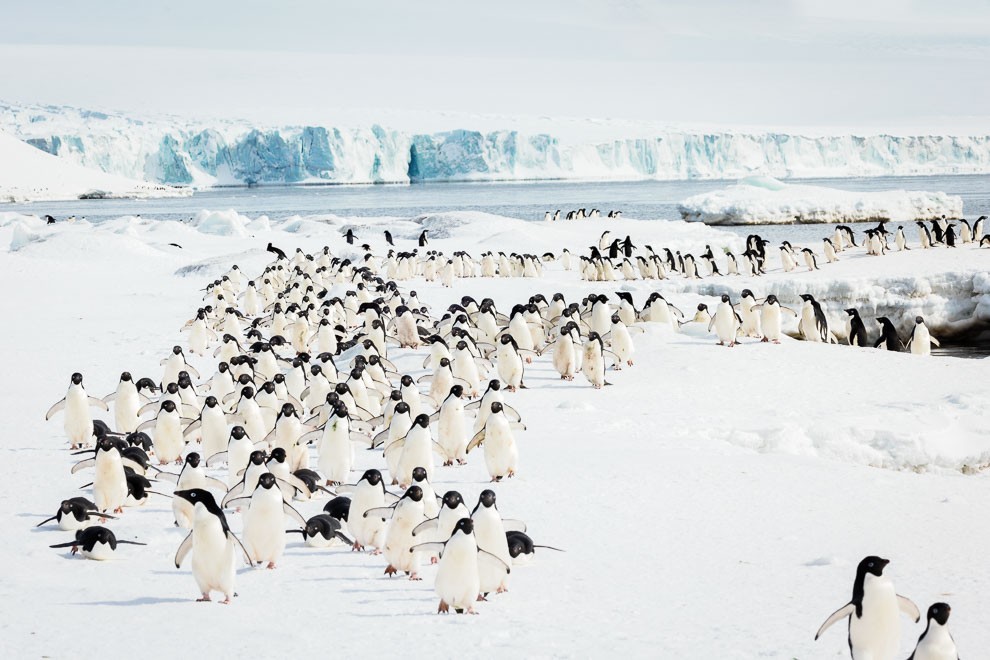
{"x":75,"y":513}
{"x":855,"y":329}
{"x":95,"y":542}
{"x":76,"y":404}
{"x":874,"y":627}
{"x":889,"y":340}
{"x":322,"y":531}
{"x":213,"y":546}
{"x":936,"y":642}
{"x":422,"y":239}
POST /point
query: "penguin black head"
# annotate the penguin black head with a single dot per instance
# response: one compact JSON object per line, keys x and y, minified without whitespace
{"x":422,"y":420}
{"x":211,"y":402}
{"x":873,"y":565}
{"x":807,"y":297}
{"x":288,"y":410}
{"x":247,"y":392}
{"x":193,"y":459}
{"x":340,"y":410}
{"x":268,"y":387}
{"x":176,"y":350}
{"x":444,"y":362}
{"x":77,"y":378}
{"x":452,"y":499}
{"x":105,"y":444}
{"x":257,"y":457}
{"x":415,"y":493}
{"x":266,"y":480}
{"x":194,"y":495}
{"x":419,"y":474}
{"x":238,"y":433}
{"x":373,"y":477}
{"x":457,"y":391}
{"x":495,"y":384}
{"x":333,"y":398}
{"x":462,"y":345}
{"x":702,"y":307}
{"x":496,"y":407}
{"x":401,"y":408}
{"x":278,"y":455}
{"x":406,"y":380}
{"x":172,"y":388}
{"x":852,"y":311}
{"x":487,"y":498}
{"x":395,"y":395}
{"x":615,"y":318}
{"x":125,"y":377}
{"x":725,"y":297}
{"x":940,"y":612}
{"x":465,"y":526}
{"x":168,"y":406}
{"x":341,"y":389}
{"x":918,"y":321}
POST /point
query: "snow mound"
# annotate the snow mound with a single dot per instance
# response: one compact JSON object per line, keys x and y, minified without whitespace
{"x":22,"y":236}
{"x":29,"y":174}
{"x":222,"y":223}
{"x":760,"y":200}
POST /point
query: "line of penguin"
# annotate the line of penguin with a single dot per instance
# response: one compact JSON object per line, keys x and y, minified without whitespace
{"x":873,"y":614}
{"x":616,"y":258}
{"x":580,"y":214}
{"x":262,"y":411}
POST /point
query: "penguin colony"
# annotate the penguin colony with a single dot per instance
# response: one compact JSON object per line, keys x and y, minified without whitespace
{"x":303,"y":377}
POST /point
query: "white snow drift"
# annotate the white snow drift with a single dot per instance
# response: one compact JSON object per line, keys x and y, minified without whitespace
{"x":764,"y":200}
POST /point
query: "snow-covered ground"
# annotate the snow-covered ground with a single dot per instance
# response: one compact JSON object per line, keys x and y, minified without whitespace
{"x":28,"y":174}
{"x":764,"y":200}
{"x":713,"y":502}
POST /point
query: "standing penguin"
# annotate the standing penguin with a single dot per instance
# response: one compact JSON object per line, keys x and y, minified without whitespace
{"x":422,"y":238}
{"x":489,"y":528}
{"x":126,"y":403}
{"x":458,"y":582}
{"x":349,"y":235}
{"x":368,"y":493}
{"x":771,"y":313}
{"x":813,"y":324}
{"x":874,"y":629}
{"x":388,"y":237}
{"x":921,"y":340}
{"x":501,"y":453}
{"x":889,"y":340}
{"x":726,"y":322}
{"x":78,"y":420}
{"x":855,"y":330}
{"x":405,"y":515}
{"x":936,"y":642}
{"x":212,"y":544}
{"x":593,"y":361}
{"x":264,"y":530}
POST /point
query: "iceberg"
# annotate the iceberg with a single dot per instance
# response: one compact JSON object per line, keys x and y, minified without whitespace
{"x":764,"y":200}
{"x":172,"y":150}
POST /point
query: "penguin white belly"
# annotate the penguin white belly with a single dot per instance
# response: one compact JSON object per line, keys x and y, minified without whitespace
{"x":876,"y":635}
{"x":400,"y":426}
{"x":622,"y":344}
{"x":109,"y":482}
{"x":336,"y":455}
{"x":78,"y":422}
{"x":264,"y":526}
{"x":601,"y":319}
{"x":405,"y":330}
{"x":168,"y":439}
{"x":254,"y":423}
{"x":199,"y":338}
{"x":510,"y":367}
{"x":564,"y":358}
{"x":100,"y":552}
{"x":520,"y":332}
{"x":490,"y":534}
{"x":212,"y":556}
{"x":69,"y":523}
{"x":213,"y":430}
{"x":366,"y":531}
{"x":125,"y":407}
{"x":452,"y":432}
{"x":501,"y":453}
{"x":770,"y":320}
{"x":921,"y":343}
{"x":457,"y":582}
{"x":399,"y":538}
{"x":238,"y":455}
{"x":725,"y":324}
{"x":593,"y":365}
{"x":417,"y":452}
{"x":937,"y":644}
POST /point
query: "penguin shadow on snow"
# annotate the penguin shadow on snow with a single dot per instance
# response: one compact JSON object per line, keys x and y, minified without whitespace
{"x":141,"y":600}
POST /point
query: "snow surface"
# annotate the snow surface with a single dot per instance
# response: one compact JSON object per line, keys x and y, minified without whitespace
{"x":713,"y":502}
{"x":204,"y":153}
{"x":27,"y":174}
{"x":765,"y":200}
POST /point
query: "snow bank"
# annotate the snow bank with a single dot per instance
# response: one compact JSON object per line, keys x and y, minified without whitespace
{"x":763,"y":200}
{"x":222,"y":223}
{"x":28,"y":174}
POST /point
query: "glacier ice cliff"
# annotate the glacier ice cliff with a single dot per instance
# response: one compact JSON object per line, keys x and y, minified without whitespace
{"x":179,"y":151}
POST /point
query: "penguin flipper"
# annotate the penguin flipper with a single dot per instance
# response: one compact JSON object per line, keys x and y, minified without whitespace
{"x":184,"y":548}
{"x":290,"y":511}
{"x":360,"y":437}
{"x":59,"y":405}
{"x":89,"y":462}
{"x":493,"y":560}
{"x":192,"y":427}
{"x":110,"y":397}
{"x":511,"y":413}
{"x":237,"y":501}
{"x":46,"y":520}
{"x":476,"y":441}
{"x":168,"y":476}
{"x":380,"y":512}
{"x":216,"y":459}
{"x":247,"y":555}
{"x":908,"y":607}
{"x":933,"y":341}
{"x":432,"y":547}
{"x":841,"y":613}
{"x":144,"y":426}
{"x":213,"y":482}
{"x":425,"y":526}
{"x":99,"y":403}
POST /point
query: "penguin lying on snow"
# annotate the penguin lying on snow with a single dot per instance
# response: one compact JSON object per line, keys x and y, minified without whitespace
{"x":521,"y":544}
{"x":95,"y":542}
{"x":75,"y":513}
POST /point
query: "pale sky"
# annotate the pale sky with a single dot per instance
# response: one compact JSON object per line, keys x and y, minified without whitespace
{"x":771,"y":63}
